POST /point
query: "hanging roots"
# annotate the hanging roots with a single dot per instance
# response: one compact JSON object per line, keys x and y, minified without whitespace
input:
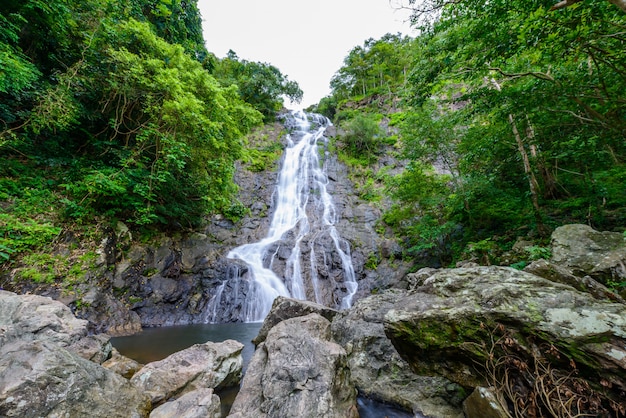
{"x":541,"y":381}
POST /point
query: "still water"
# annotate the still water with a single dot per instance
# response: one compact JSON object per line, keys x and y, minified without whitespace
{"x":155,"y":344}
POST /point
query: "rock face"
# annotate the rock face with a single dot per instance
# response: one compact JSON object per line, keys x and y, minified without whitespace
{"x":297,"y":372}
{"x":45,"y":367}
{"x":585,"y":251}
{"x":462,"y":319}
{"x":208,"y":365}
{"x":377,"y":369}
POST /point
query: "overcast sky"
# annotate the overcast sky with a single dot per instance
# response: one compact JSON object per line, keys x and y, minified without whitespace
{"x":306,"y":40}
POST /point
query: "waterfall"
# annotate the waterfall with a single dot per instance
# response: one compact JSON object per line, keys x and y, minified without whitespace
{"x":302,"y":255}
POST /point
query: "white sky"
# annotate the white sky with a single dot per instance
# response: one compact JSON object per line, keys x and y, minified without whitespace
{"x":307,"y":40}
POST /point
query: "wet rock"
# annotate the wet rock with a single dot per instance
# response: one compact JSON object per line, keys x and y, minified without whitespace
{"x":377,"y":369}
{"x":461,"y":318}
{"x":198,"y":403}
{"x":286,"y":308}
{"x":107,"y":314}
{"x":297,"y":372}
{"x":483,"y":403}
{"x":208,"y":365}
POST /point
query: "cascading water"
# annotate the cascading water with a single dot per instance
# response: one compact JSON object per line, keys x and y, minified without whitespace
{"x":303,"y":255}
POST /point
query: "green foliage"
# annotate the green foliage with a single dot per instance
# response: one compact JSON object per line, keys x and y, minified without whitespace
{"x":362,"y":137}
{"x":236,"y":211}
{"x":260,"y":84}
{"x":374,"y":68}
{"x":43,"y":268}
{"x":482,"y":72}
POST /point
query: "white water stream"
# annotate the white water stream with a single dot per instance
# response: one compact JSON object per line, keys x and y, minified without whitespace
{"x":303,"y":212}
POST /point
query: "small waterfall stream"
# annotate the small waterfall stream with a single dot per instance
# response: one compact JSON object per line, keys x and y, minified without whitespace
{"x":302,"y":255}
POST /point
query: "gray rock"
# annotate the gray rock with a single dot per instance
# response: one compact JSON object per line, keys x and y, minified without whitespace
{"x":560,"y":274}
{"x":208,"y":365}
{"x":107,"y":314}
{"x":461,"y":319}
{"x":42,"y":379}
{"x":297,"y":372}
{"x":285,"y":308}
{"x":45,"y":367}
{"x":585,"y":251}
{"x":198,"y":403}
{"x":377,"y":369}
{"x":96,"y":348}
{"x":122,"y":365}
{"x":32,"y":317}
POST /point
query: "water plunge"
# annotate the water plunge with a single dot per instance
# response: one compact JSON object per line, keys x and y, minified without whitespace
{"x":302,"y":255}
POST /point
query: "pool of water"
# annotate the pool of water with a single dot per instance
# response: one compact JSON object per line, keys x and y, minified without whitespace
{"x":154,"y":344}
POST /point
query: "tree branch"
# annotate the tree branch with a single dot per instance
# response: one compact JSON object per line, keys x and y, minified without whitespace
{"x":541,"y":76}
{"x":563,"y":4}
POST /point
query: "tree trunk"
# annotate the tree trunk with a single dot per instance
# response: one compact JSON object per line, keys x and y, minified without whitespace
{"x":530,"y":175}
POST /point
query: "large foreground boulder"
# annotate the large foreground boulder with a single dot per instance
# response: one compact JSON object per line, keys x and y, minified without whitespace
{"x":297,"y":372}
{"x":496,"y":326}
{"x":40,"y":379}
{"x":378,"y":370}
{"x":209,"y":365}
{"x":49,"y":365}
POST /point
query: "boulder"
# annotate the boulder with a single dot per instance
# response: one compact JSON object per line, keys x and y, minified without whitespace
{"x":122,"y":365}
{"x":487,"y":326}
{"x":32,"y":317}
{"x":286,"y":308}
{"x":198,"y":403}
{"x":208,"y":365}
{"x":377,"y":369}
{"x":585,"y":251}
{"x":45,"y":367}
{"x":555,"y":273}
{"x":297,"y":372}
{"x":39,"y":318}
{"x":43,"y":379}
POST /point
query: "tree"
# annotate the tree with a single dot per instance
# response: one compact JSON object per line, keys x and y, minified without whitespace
{"x":145,"y":133}
{"x":260,"y":84}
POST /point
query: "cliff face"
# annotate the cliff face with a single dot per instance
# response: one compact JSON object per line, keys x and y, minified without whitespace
{"x":175,"y":278}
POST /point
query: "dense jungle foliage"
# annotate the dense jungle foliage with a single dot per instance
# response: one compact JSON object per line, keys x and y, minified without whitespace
{"x":116,"y":111}
{"x":510,"y":116}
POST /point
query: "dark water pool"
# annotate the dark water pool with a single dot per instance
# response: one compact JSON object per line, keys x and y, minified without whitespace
{"x":155,"y":344}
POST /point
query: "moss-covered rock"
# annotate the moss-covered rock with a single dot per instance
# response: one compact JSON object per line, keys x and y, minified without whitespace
{"x":468,"y":324}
